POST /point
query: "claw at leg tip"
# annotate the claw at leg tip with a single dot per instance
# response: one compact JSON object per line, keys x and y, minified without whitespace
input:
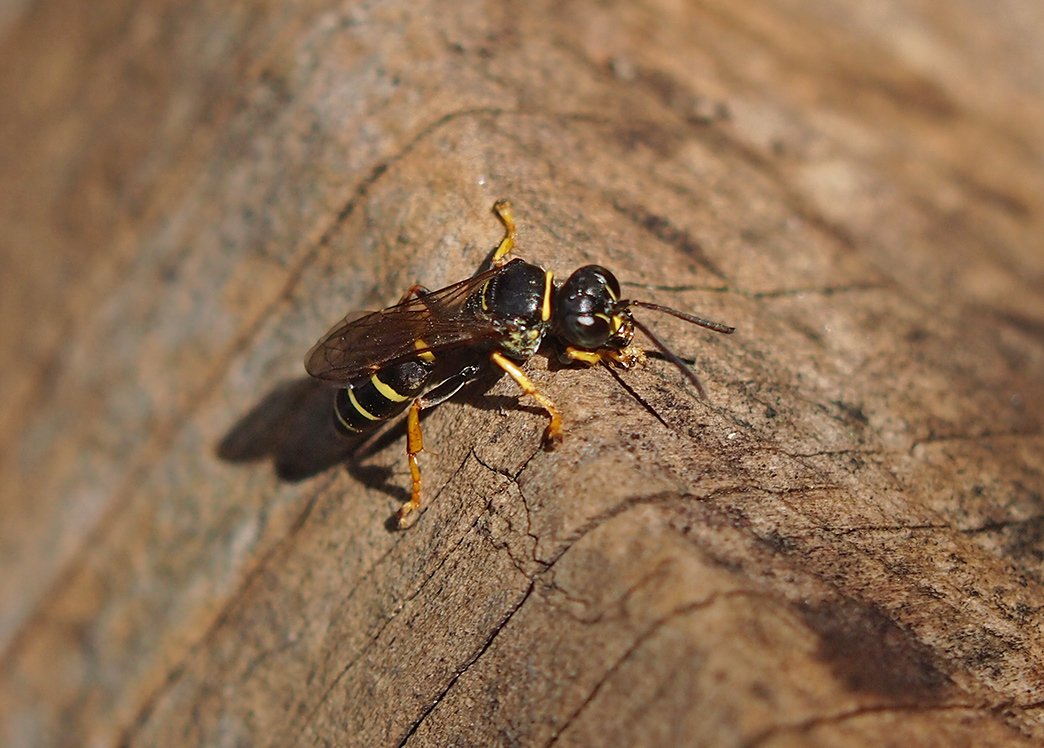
{"x":553,"y":436}
{"x":407,"y":515}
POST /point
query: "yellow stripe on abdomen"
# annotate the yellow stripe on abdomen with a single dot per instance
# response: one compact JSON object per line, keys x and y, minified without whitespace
{"x":387,"y":391}
{"x":360,"y":409}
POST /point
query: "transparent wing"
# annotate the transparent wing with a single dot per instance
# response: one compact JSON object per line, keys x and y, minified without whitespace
{"x":440,"y":320}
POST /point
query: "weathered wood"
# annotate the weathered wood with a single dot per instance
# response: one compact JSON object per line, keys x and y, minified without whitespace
{"x":843,"y":545}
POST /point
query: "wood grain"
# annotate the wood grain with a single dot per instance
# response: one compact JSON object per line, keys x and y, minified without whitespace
{"x":843,"y":545}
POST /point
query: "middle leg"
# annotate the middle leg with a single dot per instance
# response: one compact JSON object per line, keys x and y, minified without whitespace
{"x":553,"y":434}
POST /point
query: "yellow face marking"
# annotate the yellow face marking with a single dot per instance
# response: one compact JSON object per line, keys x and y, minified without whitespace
{"x":615,"y":322}
{"x":387,"y":391}
{"x":545,"y":308}
{"x":355,"y":404}
{"x":420,"y":344}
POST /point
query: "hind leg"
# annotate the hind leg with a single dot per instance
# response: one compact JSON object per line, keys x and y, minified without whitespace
{"x":414,"y":446}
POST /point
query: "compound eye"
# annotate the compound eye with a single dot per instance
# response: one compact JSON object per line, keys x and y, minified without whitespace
{"x":587,"y":330}
{"x":596,"y":280}
{"x":609,"y":282}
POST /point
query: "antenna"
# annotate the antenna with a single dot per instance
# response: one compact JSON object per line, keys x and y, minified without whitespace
{"x":671,"y":355}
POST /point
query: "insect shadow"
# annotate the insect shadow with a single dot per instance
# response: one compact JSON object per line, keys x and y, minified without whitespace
{"x":293,"y":426}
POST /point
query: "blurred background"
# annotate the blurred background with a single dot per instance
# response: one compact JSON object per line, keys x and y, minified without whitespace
{"x":843,"y":544}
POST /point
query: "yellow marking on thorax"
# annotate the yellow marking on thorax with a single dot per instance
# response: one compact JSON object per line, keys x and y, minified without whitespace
{"x":355,"y":404}
{"x":545,"y":308}
{"x":484,"y":296}
{"x":387,"y":391}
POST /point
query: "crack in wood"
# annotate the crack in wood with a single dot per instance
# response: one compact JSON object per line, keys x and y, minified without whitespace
{"x":980,"y":436}
{"x":991,"y":526}
{"x":663,"y":229}
{"x":774,"y":293}
{"x":415,"y":725}
{"x":1002,"y":524}
{"x":400,"y":606}
{"x":636,"y":644}
{"x":522,"y":496}
{"x":229,"y":608}
{"x":618,"y":605}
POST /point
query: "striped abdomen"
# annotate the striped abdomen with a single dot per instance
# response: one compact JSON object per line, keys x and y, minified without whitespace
{"x":364,"y":403}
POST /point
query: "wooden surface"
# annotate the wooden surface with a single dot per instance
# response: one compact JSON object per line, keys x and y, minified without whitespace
{"x":843,"y":546}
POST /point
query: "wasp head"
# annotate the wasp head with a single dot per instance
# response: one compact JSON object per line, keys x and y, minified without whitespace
{"x":588,"y":312}
{"x":590,"y":315}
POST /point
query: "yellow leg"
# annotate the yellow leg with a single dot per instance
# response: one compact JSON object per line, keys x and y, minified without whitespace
{"x":503,"y":210}
{"x":414,"y":446}
{"x":625,"y":358}
{"x":553,"y":434}
{"x":587,"y":357}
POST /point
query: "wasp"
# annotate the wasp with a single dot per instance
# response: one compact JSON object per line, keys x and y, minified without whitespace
{"x":424,"y":349}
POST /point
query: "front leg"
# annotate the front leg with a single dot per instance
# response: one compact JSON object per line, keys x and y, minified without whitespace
{"x":625,"y":358}
{"x":503,"y":210}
